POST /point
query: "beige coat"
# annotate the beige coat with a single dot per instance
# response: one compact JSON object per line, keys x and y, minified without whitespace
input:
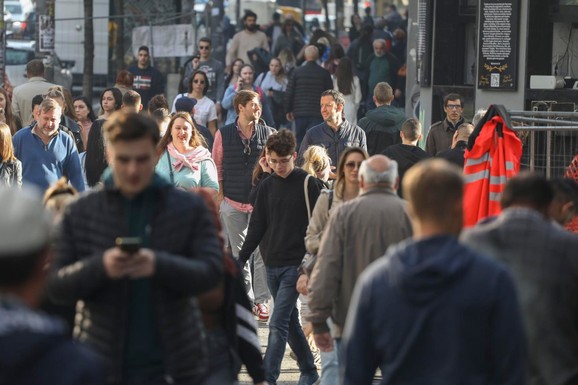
{"x":23,"y":94}
{"x":358,"y":233}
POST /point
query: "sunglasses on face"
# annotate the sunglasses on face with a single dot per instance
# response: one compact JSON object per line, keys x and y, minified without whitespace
{"x":204,"y":47}
{"x":352,"y":165}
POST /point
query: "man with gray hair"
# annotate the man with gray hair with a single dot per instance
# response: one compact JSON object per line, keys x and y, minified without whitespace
{"x":358,"y":232}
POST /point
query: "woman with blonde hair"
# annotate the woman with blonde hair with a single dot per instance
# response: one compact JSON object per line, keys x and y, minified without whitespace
{"x":345,"y":188}
{"x":10,"y":168}
{"x":184,"y":160}
{"x":317,"y":163}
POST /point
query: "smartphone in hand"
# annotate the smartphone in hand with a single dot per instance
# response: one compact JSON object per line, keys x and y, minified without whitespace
{"x":128,"y":244}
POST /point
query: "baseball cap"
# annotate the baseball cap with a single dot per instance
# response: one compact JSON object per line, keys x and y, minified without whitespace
{"x":185,"y":104}
{"x":25,"y":226}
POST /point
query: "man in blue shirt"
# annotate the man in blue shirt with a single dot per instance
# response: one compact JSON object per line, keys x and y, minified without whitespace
{"x":46,"y":152}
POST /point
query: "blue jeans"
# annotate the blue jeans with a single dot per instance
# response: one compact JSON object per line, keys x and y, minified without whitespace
{"x":284,"y":325}
{"x":302,"y":125}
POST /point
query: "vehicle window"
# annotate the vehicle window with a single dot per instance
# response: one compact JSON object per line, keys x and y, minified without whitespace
{"x":13,"y":8}
{"x":18,"y":57}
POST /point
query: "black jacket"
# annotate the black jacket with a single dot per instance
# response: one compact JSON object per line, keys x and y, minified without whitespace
{"x":455,"y":155}
{"x":188,"y":262}
{"x":304,"y":89}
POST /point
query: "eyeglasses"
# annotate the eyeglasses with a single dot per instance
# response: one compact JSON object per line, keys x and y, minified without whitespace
{"x":199,"y":81}
{"x":352,"y":165}
{"x":247,"y":149}
{"x":204,"y":47}
{"x":282,"y":161}
{"x":453,"y":106}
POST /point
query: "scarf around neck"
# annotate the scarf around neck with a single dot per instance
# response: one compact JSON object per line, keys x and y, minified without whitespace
{"x":191,"y":159}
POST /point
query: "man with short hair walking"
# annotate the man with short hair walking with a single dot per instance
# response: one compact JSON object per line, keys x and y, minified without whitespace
{"x":236,"y":150}
{"x":433,"y":311}
{"x":280,"y":218}
{"x":23,"y":94}
{"x":148,"y":81}
{"x":335,"y":133}
{"x":133,"y":256}
{"x":47,"y":153}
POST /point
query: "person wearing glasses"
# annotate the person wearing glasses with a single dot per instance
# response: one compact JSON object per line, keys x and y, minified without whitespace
{"x":279,"y":220}
{"x":440,"y":134}
{"x":205,"y":109}
{"x":236,"y":151}
{"x":214,"y":69}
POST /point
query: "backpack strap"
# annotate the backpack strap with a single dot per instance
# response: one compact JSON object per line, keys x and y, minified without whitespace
{"x":307,"y":203}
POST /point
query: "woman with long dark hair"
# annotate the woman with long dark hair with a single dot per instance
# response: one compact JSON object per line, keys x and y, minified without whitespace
{"x":348,"y":84}
{"x":95,"y":161}
{"x":85,"y":116}
{"x":110,"y":101}
{"x":205,"y":109}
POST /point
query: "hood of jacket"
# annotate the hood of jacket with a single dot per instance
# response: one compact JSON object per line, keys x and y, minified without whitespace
{"x":25,"y":334}
{"x":386,"y":116}
{"x":422,"y":269}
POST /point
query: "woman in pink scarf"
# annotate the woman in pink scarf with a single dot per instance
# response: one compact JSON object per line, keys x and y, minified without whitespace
{"x":184,"y":160}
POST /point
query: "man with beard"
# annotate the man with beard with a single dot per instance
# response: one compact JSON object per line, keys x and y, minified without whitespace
{"x":440,"y":135}
{"x":247,"y":39}
{"x":46,"y":152}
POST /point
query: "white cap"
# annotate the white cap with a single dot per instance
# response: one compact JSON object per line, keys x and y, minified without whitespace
{"x":25,"y":225}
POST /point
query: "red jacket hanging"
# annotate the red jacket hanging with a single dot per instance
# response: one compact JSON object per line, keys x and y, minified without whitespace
{"x":492,"y":157}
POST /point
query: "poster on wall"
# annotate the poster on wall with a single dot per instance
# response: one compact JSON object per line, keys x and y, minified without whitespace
{"x":46,"y":33}
{"x":498,"y":44}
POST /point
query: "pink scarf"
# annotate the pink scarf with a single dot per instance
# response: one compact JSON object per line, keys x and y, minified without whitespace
{"x":190,"y":159}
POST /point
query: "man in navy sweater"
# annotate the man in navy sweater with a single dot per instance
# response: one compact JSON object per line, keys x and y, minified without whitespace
{"x":279,"y":219}
{"x":148,"y":81}
{"x":46,"y":152}
{"x":433,"y":311}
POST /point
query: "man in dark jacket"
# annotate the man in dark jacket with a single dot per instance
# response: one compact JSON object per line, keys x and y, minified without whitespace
{"x":280,"y":219}
{"x":433,"y":311}
{"x":456,"y":154}
{"x":336,"y":133}
{"x":382,"y":124}
{"x":542,"y":258}
{"x":133,"y":255}
{"x":407,"y":153}
{"x":302,"y":97}
{"x":36,"y":348}
{"x":440,"y":134}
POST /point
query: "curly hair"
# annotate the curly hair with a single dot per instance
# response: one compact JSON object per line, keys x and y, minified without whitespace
{"x":283,"y":143}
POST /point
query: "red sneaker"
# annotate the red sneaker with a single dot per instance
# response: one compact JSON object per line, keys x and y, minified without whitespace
{"x":261,"y":311}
